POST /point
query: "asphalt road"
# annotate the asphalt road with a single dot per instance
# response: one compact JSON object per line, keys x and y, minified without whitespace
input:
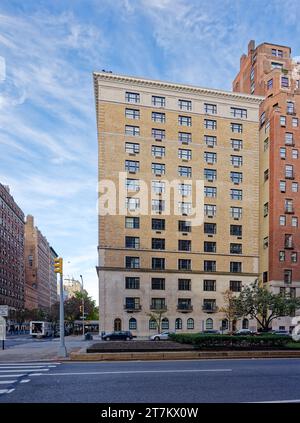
{"x":12,"y":341}
{"x":198,"y":381}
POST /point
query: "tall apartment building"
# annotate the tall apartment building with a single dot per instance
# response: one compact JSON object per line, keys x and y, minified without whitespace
{"x":269,"y":70}
{"x":40,"y":288}
{"x":150,"y":260}
{"x":12,"y":276}
{"x":71,"y":286}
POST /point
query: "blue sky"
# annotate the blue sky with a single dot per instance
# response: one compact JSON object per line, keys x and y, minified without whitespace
{"x":48,"y":143}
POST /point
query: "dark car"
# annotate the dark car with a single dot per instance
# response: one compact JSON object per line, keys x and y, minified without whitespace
{"x":210,"y":332}
{"x":281,"y":333}
{"x":117,"y":336}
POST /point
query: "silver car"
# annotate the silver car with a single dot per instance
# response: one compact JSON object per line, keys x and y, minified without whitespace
{"x":160,"y":336}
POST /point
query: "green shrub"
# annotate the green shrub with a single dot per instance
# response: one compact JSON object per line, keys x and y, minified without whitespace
{"x":201,"y":341}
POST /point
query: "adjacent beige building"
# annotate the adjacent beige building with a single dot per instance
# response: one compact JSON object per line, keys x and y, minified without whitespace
{"x":154,"y":257}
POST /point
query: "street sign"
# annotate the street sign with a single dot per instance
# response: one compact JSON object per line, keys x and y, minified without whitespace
{"x":2,"y":329}
{"x":3,"y":310}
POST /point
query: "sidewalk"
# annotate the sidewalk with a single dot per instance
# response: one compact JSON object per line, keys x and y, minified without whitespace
{"x":42,"y":351}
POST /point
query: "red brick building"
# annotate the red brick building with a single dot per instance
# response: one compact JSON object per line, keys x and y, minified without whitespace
{"x":12,"y":275}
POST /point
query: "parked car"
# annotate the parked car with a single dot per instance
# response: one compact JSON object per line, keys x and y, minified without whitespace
{"x":160,"y":336}
{"x":117,"y":336}
{"x":281,"y":332}
{"x":210,"y":332}
{"x":244,"y":332}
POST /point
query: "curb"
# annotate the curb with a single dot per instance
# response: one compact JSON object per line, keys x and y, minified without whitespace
{"x":181,"y":355}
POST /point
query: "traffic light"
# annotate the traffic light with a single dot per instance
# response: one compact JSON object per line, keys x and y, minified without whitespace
{"x":58,"y":265}
{"x":81,"y":309}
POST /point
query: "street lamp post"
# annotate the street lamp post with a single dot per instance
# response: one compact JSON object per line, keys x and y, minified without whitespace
{"x":58,"y":268}
{"x":82,"y":305}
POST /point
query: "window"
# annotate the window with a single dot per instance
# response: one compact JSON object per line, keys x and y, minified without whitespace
{"x":252,"y":74}
{"x":237,"y":112}
{"x":185,"y":104}
{"x":158,"y":101}
{"x":282,"y":186}
{"x":236,"y":144}
{"x":158,"y":151}
{"x":290,"y":107}
{"x":158,"y":186}
{"x":158,"y":169}
{"x":132,"y":242}
{"x":294,"y":122}
{"x":276,"y":52}
{"x":210,"y":124}
{"x":132,"y":262}
{"x":184,"y":245}
{"x":158,"y":283}
{"x":178,"y":324}
{"x":184,"y":226}
{"x":295,"y":153}
{"x":287,"y":276}
{"x":276,"y":65}
{"x":190,"y":323}
{"x":294,"y":186}
{"x":282,"y":120}
{"x":209,"y":324}
{"x":266,"y":175}
{"x":185,"y":137}
{"x":210,"y":141}
{"x":152,"y":324}
{"x":184,"y":154}
{"x":209,"y":285}
{"x":165,"y":323}
{"x":210,"y":174}
{"x":235,"y":267}
{"x":289,"y":138}
{"x":236,"y":194}
{"x":158,"y":263}
{"x":210,"y":228}
{"x":294,"y":257}
{"x":284,"y":82}
{"x":184,"y":208}
{"x":235,"y":248}
{"x":289,"y":173}
{"x":132,"y":282}
{"x":132,"y":130}
{"x":132,"y":97}
{"x":237,"y":127}
{"x":281,"y":256}
{"x":282,"y":220}
{"x":184,"y":120}
{"x":158,"y":304}
{"x":235,"y":286}
{"x":236,"y":161}
{"x":209,"y":305}
{"x":158,"y":205}
{"x":262,"y":118}
{"x":210,"y":157}
{"x":158,"y":134}
{"x":236,"y":230}
{"x":295,"y":222}
{"x":210,"y":266}
{"x":184,"y":264}
{"x":288,"y":241}
{"x":184,"y":284}
{"x":266,"y":209}
{"x":210,"y":247}
{"x":132,"y":303}
{"x":210,"y":210}
{"x":132,"y":113}
{"x":266,"y":144}
{"x":158,"y":224}
{"x":132,"y":324}
{"x":236,"y":177}
{"x":185,"y":171}
{"x":185,"y":189}
{"x":132,"y":184}
{"x":132,"y":148}
{"x":282,"y":152}
{"x":158,"y":117}
{"x":132,"y":222}
{"x":270,"y":84}
{"x":236,"y":212}
{"x":210,"y":108}
{"x":210,"y":192}
{"x":132,"y":166}
{"x":132,"y":204}
{"x":158,"y":244}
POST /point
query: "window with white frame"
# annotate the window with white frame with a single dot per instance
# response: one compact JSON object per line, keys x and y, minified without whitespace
{"x":158,"y":151}
{"x":185,"y":171}
{"x":158,"y":205}
{"x":132,"y":184}
{"x":238,"y":112}
{"x":283,"y":120}
{"x":132,"y":166}
{"x":210,"y":140}
{"x":158,"y":101}
{"x":132,"y":97}
{"x":236,"y":177}
{"x":132,"y":113}
{"x":132,"y":148}
{"x":236,"y":144}
{"x":210,"y":192}
{"x":185,"y":189}
{"x":210,"y":124}
{"x":236,"y":212}
{"x":282,"y":220}
{"x":184,"y":154}
{"x":236,"y":194}
{"x":282,"y":152}
{"x":185,"y":104}
{"x":295,"y":122}
{"x":284,"y":82}
{"x":158,"y":117}
{"x":295,"y":153}
{"x":184,"y":120}
{"x":210,"y":157}
{"x":210,"y":108}
{"x":289,"y":138}
{"x":158,"y":186}
{"x":294,"y":186}
{"x":236,"y":161}
{"x":237,"y":127}
{"x":210,"y":210}
{"x":184,"y":208}
{"x":132,"y":204}
{"x":132,"y":130}
{"x":184,"y":137}
{"x":158,"y":169}
{"x":210,"y":174}
{"x":158,"y":134}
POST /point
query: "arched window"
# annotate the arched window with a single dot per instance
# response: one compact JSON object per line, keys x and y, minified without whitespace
{"x":165,"y":324}
{"x":190,"y":323}
{"x":132,"y":324}
{"x":209,"y":324}
{"x":225,"y":324}
{"x":117,"y":324}
{"x":178,"y":323}
{"x":152,"y":324}
{"x":245,"y":324}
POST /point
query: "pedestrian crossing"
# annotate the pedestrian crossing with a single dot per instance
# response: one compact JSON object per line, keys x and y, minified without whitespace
{"x":12,"y":374}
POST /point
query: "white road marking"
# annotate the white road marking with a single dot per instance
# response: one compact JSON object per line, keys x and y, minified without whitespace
{"x":23,"y":370}
{"x":274,"y":402}
{"x":3,"y":382}
{"x":28,"y":364}
{"x":6,"y":391}
{"x":35,"y":374}
{"x":14,"y":375}
{"x":24,"y":380}
{"x":138,"y":371}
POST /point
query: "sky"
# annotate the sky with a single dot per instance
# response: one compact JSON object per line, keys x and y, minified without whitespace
{"x":48,"y":51}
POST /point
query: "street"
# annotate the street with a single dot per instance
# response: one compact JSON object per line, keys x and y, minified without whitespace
{"x":256,"y":380}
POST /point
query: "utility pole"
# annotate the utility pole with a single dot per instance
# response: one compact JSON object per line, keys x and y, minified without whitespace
{"x":82,"y":305}
{"x":58,"y":268}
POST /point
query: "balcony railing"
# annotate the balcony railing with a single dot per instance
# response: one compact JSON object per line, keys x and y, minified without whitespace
{"x":185,"y":308}
{"x":158,"y":307}
{"x":132,"y":308}
{"x":207,"y":308}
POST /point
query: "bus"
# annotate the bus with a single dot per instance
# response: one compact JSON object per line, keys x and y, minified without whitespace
{"x":41,"y":329}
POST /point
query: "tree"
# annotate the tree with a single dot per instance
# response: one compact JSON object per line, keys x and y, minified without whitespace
{"x":157,"y":316}
{"x":229,"y":308}
{"x":264,"y":306}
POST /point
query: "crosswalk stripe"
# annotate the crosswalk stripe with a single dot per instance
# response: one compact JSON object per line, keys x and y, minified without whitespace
{"x":27,"y":370}
{"x":7,"y":382}
{"x":24,"y":380}
{"x":14,"y":375}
